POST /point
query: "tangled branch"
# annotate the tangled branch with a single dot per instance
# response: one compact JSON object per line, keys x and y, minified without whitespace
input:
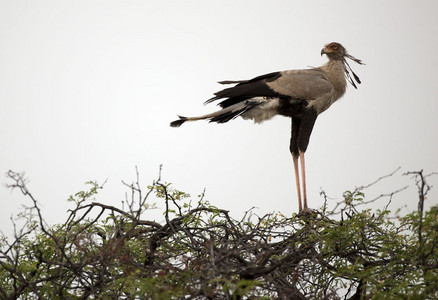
{"x":201,"y":252}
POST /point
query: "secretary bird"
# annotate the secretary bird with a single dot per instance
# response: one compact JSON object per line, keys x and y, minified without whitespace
{"x":299,"y":94}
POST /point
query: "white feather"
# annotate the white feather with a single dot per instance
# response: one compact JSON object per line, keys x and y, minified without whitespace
{"x":264,"y":111}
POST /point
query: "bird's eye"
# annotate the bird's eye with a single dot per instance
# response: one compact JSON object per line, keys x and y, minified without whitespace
{"x":334,"y":47}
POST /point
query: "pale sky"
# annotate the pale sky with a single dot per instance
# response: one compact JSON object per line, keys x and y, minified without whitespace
{"x":88,"y":88}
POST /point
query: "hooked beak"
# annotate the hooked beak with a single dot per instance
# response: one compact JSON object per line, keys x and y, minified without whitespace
{"x":323,"y":51}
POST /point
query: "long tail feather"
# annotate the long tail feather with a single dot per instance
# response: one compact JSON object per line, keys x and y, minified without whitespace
{"x":179,"y":122}
{"x":221,"y":116}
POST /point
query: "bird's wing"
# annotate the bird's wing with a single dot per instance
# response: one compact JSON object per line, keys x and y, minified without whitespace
{"x":296,"y":84}
{"x":308,"y":84}
{"x":246,"y":89}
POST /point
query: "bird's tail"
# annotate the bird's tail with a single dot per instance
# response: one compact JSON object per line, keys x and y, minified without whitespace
{"x":220,"y":116}
{"x":179,"y":122}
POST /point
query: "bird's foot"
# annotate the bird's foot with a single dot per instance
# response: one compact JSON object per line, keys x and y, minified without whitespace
{"x":308,"y":212}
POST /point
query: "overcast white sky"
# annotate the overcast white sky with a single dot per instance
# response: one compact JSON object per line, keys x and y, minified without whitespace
{"x":88,"y":88}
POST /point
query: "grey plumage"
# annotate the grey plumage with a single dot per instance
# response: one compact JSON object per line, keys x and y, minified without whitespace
{"x":299,"y":94}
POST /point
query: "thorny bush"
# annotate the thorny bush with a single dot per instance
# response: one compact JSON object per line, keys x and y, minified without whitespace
{"x":200,"y":252}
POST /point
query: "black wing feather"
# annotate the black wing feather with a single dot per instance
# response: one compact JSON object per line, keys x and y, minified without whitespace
{"x":269,"y":77}
{"x":246,"y":89}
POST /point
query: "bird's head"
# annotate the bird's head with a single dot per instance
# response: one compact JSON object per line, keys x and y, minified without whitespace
{"x":336,"y":51}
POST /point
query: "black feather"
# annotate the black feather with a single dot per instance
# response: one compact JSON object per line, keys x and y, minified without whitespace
{"x":179,"y":122}
{"x":267,"y":77}
{"x":232,"y":81}
{"x":223,"y":118}
{"x":347,"y":73}
{"x":356,"y":77}
{"x":231,"y":101}
{"x":245,"y":89}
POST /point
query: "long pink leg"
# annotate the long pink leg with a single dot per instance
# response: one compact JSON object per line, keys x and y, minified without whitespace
{"x":303,"y":177}
{"x":297,"y":180}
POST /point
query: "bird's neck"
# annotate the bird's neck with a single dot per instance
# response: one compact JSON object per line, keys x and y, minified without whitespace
{"x":335,"y":72}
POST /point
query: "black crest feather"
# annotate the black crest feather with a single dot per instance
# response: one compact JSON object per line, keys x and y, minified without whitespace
{"x":348,"y":70}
